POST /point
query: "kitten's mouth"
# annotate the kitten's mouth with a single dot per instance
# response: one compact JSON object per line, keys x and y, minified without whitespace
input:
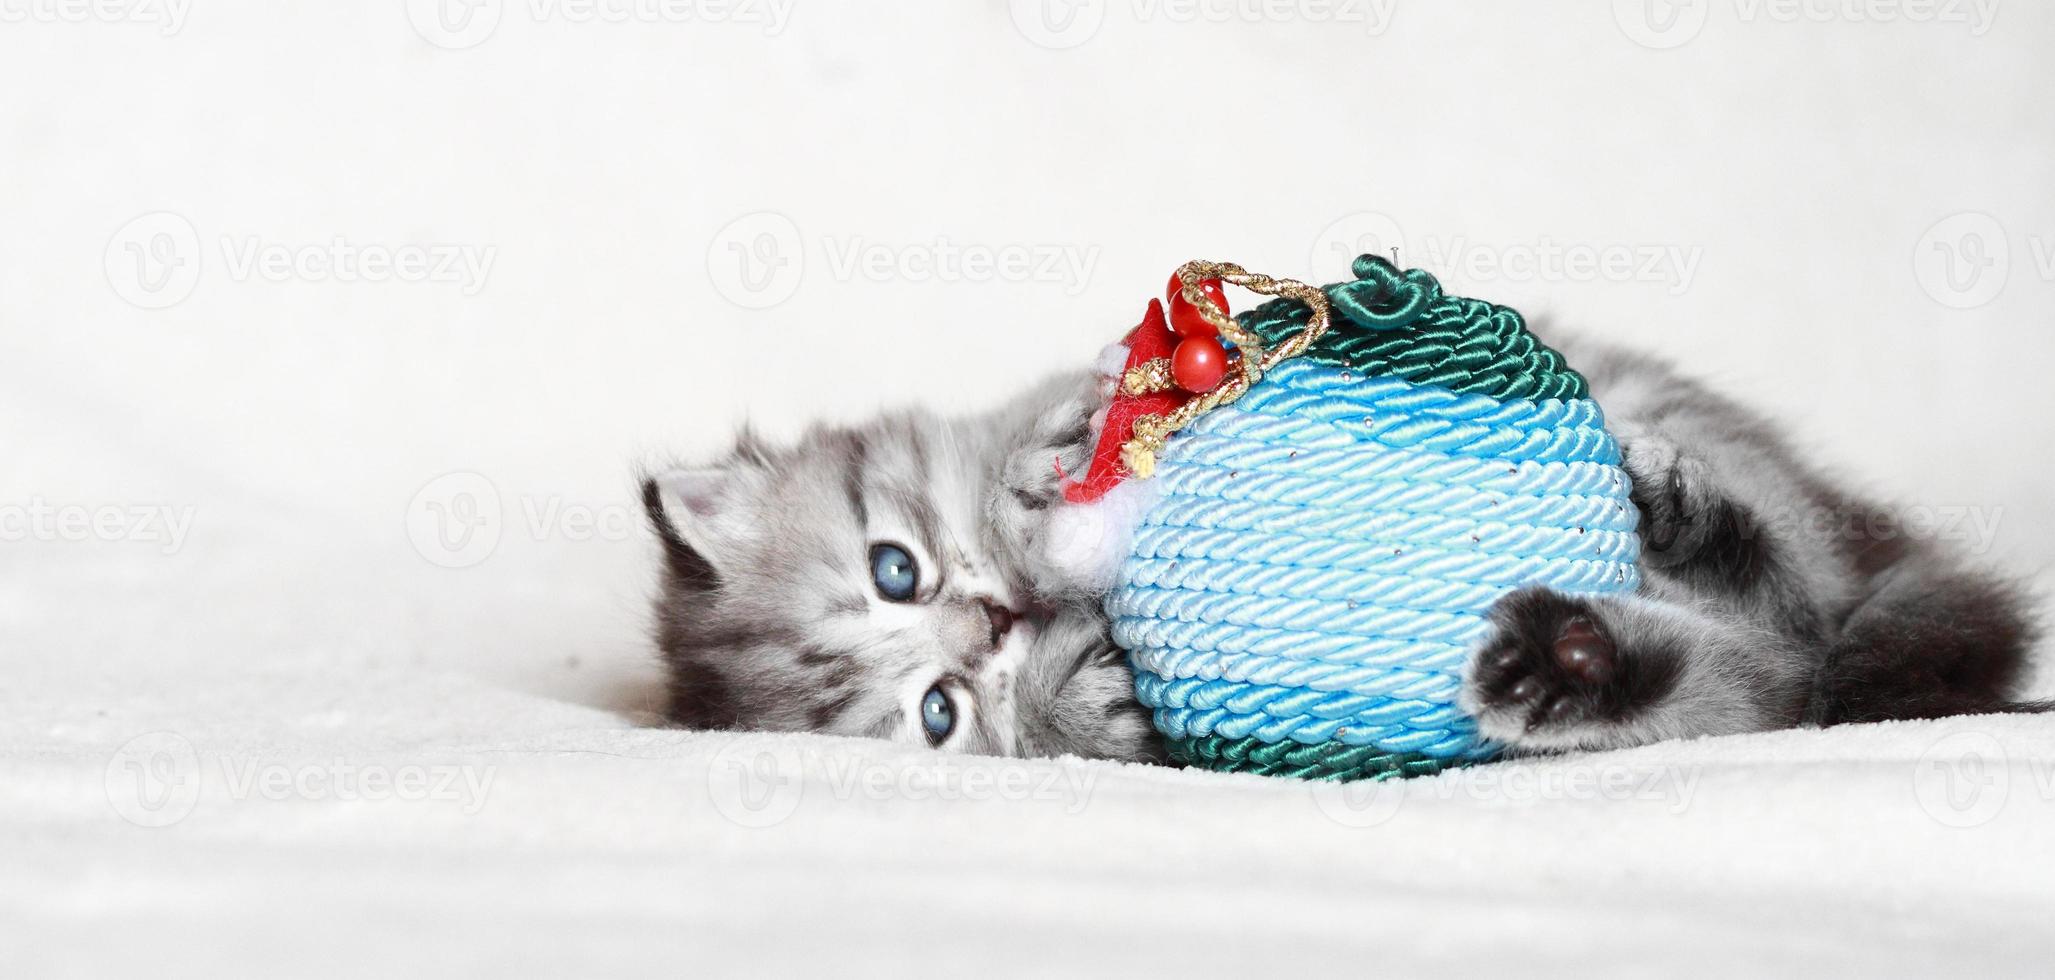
{"x":1005,"y":618}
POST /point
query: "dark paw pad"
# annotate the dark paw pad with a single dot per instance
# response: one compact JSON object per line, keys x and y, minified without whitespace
{"x":1584,"y":651}
{"x":1552,"y":662}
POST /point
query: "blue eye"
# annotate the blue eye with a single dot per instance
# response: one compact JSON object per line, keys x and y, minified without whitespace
{"x":894,"y":571}
{"x":937,"y":715}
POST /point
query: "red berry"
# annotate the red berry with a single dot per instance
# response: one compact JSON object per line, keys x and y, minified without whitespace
{"x":1186,"y":318}
{"x":1199,"y":364}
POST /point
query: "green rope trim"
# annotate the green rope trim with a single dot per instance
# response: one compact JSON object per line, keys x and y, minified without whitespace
{"x":1463,"y":345}
{"x":1297,"y":760}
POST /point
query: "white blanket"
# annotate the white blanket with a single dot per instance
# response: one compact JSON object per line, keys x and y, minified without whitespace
{"x":426,"y":824}
{"x":324,"y":804}
{"x":323,"y":585}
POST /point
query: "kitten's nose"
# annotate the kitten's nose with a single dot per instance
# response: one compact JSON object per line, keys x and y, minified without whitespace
{"x":1001,"y":617}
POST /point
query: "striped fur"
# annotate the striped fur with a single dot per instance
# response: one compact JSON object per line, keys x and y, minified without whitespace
{"x":1771,"y":596}
{"x":1752,"y":613}
{"x":769,"y":620}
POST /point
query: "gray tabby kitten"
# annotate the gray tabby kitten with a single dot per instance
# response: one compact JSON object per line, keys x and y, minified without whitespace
{"x":870,"y":581}
{"x":889,"y":580}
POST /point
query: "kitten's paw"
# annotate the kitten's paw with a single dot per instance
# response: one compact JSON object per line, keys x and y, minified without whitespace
{"x":1666,"y":493}
{"x":1553,"y":675}
{"x":1034,"y":477}
{"x":1056,"y":444}
{"x":1046,"y":443}
{"x":1687,"y":522}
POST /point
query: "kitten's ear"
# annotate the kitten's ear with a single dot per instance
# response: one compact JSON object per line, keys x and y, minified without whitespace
{"x":701,"y":513}
{"x":751,"y":448}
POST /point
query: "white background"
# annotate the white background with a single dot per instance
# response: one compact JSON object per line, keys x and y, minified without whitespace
{"x":1813,"y":168}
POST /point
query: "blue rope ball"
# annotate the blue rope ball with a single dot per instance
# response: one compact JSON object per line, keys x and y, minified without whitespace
{"x":1305,"y":591}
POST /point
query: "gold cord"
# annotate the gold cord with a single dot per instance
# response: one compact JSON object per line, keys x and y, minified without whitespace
{"x":1153,"y":432}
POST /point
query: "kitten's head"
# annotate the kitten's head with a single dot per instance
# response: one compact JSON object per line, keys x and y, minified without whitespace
{"x":853,"y":584}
